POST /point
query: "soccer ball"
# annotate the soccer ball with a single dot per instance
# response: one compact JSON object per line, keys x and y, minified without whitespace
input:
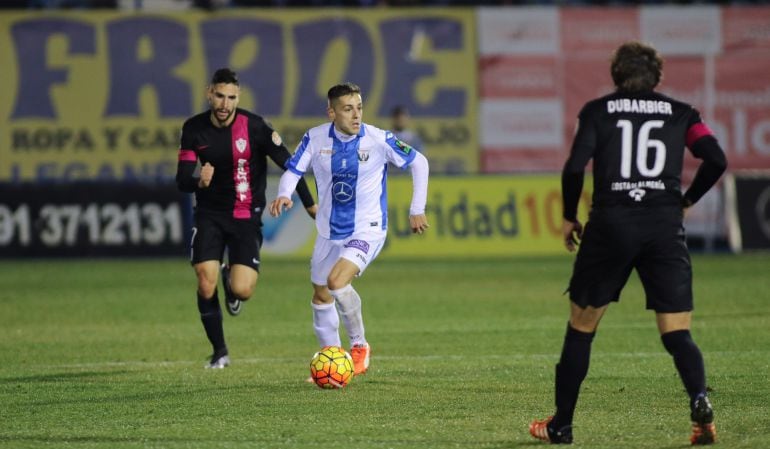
{"x":331,"y":367}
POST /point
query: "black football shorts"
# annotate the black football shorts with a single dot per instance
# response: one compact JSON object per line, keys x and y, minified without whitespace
{"x":617,"y":240}
{"x":214,"y":232}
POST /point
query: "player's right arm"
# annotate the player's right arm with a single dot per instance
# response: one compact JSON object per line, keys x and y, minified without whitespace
{"x":187,"y":161}
{"x":572,"y":177}
{"x":286,"y":186}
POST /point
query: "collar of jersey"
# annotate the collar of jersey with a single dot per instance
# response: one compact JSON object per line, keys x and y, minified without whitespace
{"x":334,"y":134}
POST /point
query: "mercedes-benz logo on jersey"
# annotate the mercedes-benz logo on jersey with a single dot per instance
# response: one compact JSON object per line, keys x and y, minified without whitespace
{"x":637,"y":194}
{"x":342,"y":192}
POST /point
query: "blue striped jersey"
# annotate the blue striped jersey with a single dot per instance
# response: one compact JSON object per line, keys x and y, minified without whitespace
{"x":351,"y":176}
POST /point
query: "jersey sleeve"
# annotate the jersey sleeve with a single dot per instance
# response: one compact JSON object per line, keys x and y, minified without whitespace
{"x":703,"y":145}
{"x":187,"y":161}
{"x":583,"y":144}
{"x":271,"y":141}
{"x":299,"y":163}
{"x":573,"y":173}
{"x":696,"y":130}
{"x":397,"y":152}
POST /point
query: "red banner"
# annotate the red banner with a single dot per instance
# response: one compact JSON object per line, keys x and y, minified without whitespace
{"x":534,"y":82}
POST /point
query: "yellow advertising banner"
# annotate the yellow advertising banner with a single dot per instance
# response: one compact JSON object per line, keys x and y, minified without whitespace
{"x":481,"y":216}
{"x":469,"y":216}
{"x":102,"y":95}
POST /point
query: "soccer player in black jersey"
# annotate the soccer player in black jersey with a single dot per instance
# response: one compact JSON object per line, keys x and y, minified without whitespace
{"x":636,"y":138}
{"x":232,"y":146}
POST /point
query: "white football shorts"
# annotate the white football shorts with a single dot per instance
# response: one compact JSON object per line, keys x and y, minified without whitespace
{"x":359,"y":249}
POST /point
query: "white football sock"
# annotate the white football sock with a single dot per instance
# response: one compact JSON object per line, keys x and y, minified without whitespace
{"x":349,"y":305}
{"x":326,"y":324}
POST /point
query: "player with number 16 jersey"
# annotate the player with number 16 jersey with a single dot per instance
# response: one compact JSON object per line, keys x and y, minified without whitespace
{"x":636,"y":138}
{"x":659,"y":127}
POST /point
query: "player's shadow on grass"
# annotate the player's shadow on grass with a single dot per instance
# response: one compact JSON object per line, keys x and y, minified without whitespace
{"x":59,"y":377}
{"x":110,"y":397}
{"x":99,"y":439}
{"x":532,"y":443}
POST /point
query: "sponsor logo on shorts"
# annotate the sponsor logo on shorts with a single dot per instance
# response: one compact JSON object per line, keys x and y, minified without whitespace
{"x":358,"y":244}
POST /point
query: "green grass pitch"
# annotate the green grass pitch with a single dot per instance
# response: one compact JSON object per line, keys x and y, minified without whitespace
{"x":110,"y":354}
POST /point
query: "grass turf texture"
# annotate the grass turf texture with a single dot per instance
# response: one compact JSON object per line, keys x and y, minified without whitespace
{"x":98,"y":354}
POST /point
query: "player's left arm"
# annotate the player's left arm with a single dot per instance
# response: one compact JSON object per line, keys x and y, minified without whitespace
{"x":402,"y":155}
{"x":280,"y":155}
{"x":420,"y":172}
{"x":704,"y":146}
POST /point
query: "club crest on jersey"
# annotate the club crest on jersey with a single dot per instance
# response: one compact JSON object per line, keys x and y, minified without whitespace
{"x":637,"y":194}
{"x":404,"y":146}
{"x":240,"y":144}
{"x":363,"y":155}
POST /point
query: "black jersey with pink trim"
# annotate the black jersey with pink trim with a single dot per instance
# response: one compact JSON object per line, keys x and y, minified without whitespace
{"x":637,"y":143}
{"x":238,"y":153}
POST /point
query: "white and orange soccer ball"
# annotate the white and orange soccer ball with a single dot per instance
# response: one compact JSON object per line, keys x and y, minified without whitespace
{"x":331,"y":367}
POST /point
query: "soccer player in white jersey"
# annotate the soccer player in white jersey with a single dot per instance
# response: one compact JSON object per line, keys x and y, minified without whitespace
{"x":349,"y":159}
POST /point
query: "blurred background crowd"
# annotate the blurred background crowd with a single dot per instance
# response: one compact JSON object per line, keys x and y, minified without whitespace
{"x":216,"y":4}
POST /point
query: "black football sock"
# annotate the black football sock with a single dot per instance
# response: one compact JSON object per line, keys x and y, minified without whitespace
{"x":688,"y":361}
{"x":211,"y":317}
{"x":570,"y":372}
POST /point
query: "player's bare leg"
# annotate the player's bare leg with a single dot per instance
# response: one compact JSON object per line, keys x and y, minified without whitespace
{"x":238,"y":282}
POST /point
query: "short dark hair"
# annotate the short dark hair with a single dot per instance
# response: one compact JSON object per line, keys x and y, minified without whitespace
{"x":224,"y":76}
{"x":636,"y":67}
{"x":341,"y":90}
